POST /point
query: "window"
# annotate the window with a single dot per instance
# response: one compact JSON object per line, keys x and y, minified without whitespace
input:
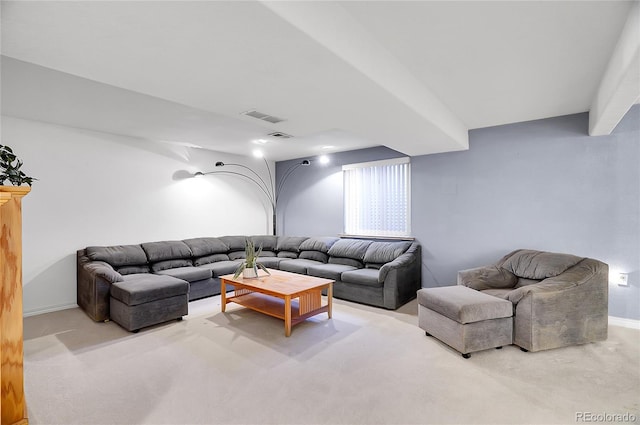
{"x":377,"y":198}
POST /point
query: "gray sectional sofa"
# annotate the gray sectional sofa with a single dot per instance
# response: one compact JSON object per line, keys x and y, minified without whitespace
{"x":144,"y":284}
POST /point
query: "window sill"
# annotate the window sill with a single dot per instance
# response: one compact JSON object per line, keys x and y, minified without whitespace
{"x":373,"y":237}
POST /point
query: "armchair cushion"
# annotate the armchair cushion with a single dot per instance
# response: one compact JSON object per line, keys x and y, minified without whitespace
{"x":532,"y":264}
{"x":488,"y":277}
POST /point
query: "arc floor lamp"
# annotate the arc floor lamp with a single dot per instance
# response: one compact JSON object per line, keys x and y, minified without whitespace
{"x":269,"y":189}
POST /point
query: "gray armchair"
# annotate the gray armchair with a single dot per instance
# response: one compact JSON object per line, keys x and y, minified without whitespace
{"x":558,"y":299}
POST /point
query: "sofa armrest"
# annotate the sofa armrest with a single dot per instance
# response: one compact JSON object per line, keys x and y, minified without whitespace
{"x":402,"y":277}
{"x":94,"y":279}
{"x":568,"y":309}
{"x":586,"y":272}
{"x":405,"y":260}
{"x":104,"y":270}
{"x":487,"y":277}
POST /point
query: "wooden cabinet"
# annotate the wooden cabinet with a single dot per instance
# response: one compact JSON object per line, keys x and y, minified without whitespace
{"x":13,"y":409}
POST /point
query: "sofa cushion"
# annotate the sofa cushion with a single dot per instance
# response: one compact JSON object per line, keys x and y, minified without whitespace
{"x":237,"y":255}
{"x":210,"y":259}
{"x":290,"y":243}
{"x":170,"y":264}
{"x":346,"y":262}
{"x":314,"y":255}
{"x":366,"y":277}
{"x":118,"y":255}
{"x":321,"y":244}
{"x":329,"y":271}
{"x":526,"y":282}
{"x":133,"y":269}
{"x":270,"y":262}
{"x":287,"y":254}
{"x":267,"y":242}
{"x":143,"y":288}
{"x":221,"y":268}
{"x":235,"y":243}
{"x":532,"y":264}
{"x":206,"y":246}
{"x":166,"y":250}
{"x":190,"y":274}
{"x":298,"y":265}
{"x":385,"y":252}
{"x":350,"y":248}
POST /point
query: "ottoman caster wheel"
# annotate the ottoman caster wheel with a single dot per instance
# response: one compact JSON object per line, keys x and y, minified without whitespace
{"x":466,"y":355}
{"x":179,"y":319}
{"x":136,"y":331}
{"x":427,"y":334}
{"x":524,"y":349}
{"x":499,"y":348}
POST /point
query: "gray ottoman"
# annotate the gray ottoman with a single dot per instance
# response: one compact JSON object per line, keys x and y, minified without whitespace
{"x":148,"y":299}
{"x":465,"y":319}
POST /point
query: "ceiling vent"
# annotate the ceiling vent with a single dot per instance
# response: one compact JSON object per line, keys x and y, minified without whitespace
{"x":280,"y":134}
{"x":263,"y":117}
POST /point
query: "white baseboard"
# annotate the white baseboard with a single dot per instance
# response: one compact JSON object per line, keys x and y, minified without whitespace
{"x":48,"y":310}
{"x":625,"y":323}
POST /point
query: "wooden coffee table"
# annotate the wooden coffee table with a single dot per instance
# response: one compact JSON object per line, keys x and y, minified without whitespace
{"x":288,"y":296}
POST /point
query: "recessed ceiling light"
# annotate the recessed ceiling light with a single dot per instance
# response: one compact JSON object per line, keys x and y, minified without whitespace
{"x":324,"y":159}
{"x":258,"y":153}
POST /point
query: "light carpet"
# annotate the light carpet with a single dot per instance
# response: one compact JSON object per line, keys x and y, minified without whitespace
{"x":364,"y":366}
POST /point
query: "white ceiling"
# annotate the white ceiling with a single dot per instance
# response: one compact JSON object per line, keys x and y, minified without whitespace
{"x":414,"y":76}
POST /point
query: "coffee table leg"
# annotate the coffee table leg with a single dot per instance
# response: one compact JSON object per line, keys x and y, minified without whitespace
{"x":329,"y":299}
{"x":287,"y":315}
{"x":223,"y":295}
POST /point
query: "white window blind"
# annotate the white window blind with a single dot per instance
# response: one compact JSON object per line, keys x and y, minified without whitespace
{"x":377,"y":198}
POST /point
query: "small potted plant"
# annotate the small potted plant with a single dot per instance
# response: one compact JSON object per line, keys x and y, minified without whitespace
{"x":10,"y":168}
{"x":249,"y":266}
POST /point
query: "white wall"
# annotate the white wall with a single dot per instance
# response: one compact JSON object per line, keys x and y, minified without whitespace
{"x":103,"y":189}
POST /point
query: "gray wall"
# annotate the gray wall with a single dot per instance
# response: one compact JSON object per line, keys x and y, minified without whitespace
{"x":541,"y":184}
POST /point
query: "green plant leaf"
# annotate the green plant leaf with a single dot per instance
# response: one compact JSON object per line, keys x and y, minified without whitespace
{"x":262,"y":267}
{"x":239,"y":270}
